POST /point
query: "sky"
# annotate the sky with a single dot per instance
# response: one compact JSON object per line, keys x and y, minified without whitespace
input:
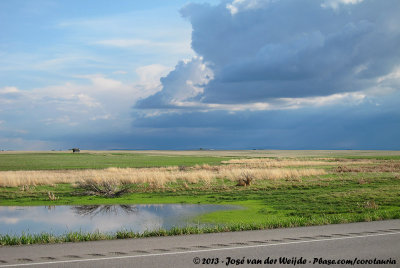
{"x":190,"y":74}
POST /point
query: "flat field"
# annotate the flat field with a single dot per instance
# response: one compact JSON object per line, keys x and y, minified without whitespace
{"x":96,"y":160}
{"x":274,"y":188}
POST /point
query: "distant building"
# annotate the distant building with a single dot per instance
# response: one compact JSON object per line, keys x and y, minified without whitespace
{"x":75,"y":150}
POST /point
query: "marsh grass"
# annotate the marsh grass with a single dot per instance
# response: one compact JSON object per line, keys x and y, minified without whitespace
{"x":387,"y":166}
{"x":290,"y":162}
{"x":154,"y":177}
{"x":52,"y":196}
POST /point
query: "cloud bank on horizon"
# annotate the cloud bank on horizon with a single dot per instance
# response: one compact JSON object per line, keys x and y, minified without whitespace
{"x":280,"y":74}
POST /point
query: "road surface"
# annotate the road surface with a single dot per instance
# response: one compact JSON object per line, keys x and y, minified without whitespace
{"x":368,"y":244}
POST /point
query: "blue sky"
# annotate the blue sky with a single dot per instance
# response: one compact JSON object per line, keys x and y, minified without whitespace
{"x":229,"y":74}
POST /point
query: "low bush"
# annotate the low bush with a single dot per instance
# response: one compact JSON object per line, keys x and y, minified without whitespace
{"x":103,"y":188}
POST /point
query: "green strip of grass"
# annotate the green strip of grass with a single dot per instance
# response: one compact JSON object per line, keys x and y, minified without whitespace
{"x":54,"y":161}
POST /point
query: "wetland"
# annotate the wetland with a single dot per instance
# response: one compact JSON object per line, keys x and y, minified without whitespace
{"x":275,"y":188}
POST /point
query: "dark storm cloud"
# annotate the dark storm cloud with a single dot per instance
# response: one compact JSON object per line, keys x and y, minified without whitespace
{"x":295,"y":48}
{"x":364,"y":126}
{"x":340,"y":57}
{"x":288,"y":48}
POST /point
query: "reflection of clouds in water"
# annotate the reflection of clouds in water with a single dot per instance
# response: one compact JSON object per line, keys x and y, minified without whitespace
{"x":7,"y":212}
{"x":104,"y":218}
{"x":38,"y":219}
{"x":64,"y":218}
{"x":9,"y":220}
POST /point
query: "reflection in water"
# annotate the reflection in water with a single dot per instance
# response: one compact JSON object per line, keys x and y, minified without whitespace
{"x":103,"y":218}
{"x":94,"y":210}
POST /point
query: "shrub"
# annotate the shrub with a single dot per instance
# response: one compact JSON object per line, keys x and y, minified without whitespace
{"x":104,"y":188}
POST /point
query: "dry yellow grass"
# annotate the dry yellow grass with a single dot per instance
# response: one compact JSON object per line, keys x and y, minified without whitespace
{"x":389,"y":166}
{"x":269,"y":162}
{"x":157,"y":177}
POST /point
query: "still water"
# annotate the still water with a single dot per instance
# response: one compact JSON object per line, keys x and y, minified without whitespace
{"x":104,"y":218}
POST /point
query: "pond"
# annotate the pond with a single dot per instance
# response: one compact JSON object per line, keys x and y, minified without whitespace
{"x":103,"y":218}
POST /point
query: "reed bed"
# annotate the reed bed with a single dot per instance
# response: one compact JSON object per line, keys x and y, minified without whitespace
{"x":390,"y":166}
{"x":157,"y":177}
{"x":269,"y":162}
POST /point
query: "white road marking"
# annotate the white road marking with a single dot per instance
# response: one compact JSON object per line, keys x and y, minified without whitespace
{"x":195,"y":251}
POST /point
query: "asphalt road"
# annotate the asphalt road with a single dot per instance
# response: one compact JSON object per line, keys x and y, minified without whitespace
{"x":368,"y":244}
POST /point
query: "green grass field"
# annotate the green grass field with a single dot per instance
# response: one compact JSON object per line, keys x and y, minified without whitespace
{"x":97,"y":160}
{"x":350,"y":191}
